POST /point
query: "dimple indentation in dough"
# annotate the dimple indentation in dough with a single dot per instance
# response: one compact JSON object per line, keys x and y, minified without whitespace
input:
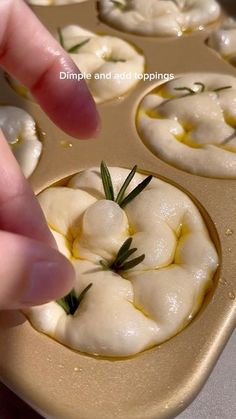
{"x":20,"y":131}
{"x":126,"y":312}
{"x":158,"y":17}
{"x":194,"y":132}
{"x":110,"y":63}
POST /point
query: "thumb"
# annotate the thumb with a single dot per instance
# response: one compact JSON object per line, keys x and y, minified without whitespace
{"x":31,"y":273}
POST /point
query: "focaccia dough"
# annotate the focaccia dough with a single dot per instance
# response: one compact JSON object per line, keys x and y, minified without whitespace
{"x":223,"y":40}
{"x":19,"y":129}
{"x":159,"y":17}
{"x":122,"y":315}
{"x":99,"y":56}
{"x":107,"y":55}
{"x":194,"y":132}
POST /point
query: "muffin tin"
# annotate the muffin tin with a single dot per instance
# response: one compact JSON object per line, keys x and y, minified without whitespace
{"x":162,"y":381}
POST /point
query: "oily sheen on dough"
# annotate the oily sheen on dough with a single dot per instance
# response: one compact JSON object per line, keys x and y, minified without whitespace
{"x":123,"y":314}
{"x":194,"y":132}
{"x":223,"y":40}
{"x":107,"y":55}
{"x":19,"y":129}
{"x":158,"y":17}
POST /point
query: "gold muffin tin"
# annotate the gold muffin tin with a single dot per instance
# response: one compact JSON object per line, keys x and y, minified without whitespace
{"x":160,"y":382}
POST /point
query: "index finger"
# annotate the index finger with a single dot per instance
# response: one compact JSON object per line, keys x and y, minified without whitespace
{"x":31,"y":54}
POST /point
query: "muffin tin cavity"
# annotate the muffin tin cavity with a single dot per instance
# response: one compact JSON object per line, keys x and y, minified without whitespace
{"x":190,"y":122}
{"x":126,"y":309}
{"x":158,"y":17}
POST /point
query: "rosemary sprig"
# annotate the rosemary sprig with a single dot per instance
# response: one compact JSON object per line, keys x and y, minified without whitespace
{"x":77,"y":46}
{"x":190,"y":91}
{"x":120,"y":262}
{"x":222,"y":88}
{"x":120,"y":60}
{"x":109,"y":191}
{"x":132,"y":263}
{"x":136,"y":191}
{"x":125,"y":185}
{"x":203,"y":89}
{"x":107,"y":182}
{"x":202,"y":85}
{"x":71,"y":301}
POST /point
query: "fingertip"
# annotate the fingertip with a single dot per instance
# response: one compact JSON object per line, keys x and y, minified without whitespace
{"x":49,"y":280}
{"x":84,"y":120}
{"x":31,"y":273}
{"x":92,"y":129}
{"x":68,"y":103}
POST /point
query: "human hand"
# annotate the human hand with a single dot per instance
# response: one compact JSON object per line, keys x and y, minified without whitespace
{"x":32,"y":271}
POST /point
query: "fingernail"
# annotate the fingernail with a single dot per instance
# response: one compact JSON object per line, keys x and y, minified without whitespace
{"x":48,"y":281}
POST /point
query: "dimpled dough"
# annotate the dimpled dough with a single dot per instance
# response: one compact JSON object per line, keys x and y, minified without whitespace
{"x":111,"y":63}
{"x":19,"y":129}
{"x":107,"y":55}
{"x":194,"y":132}
{"x":123,"y":315}
{"x":223,"y":40}
{"x":158,"y":17}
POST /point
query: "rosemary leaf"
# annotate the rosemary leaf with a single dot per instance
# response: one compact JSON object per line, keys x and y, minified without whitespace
{"x":136,"y":191}
{"x":77,"y":46}
{"x":125,"y":185}
{"x":123,"y":254}
{"x":63,"y":303}
{"x":83,"y":293}
{"x":190,"y":91}
{"x":61,"y":40}
{"x":222,"y":88}
{"x":119,"y":261}
{"x":202,"y":85}
{"x":107,"y":182}
{"x":108,"y":187}
{"x":68,"y":302}
{"x":117,"y":61}
{"x":124,"y":248}
{"x":71,"y":301}
{"x":132,"y":263}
